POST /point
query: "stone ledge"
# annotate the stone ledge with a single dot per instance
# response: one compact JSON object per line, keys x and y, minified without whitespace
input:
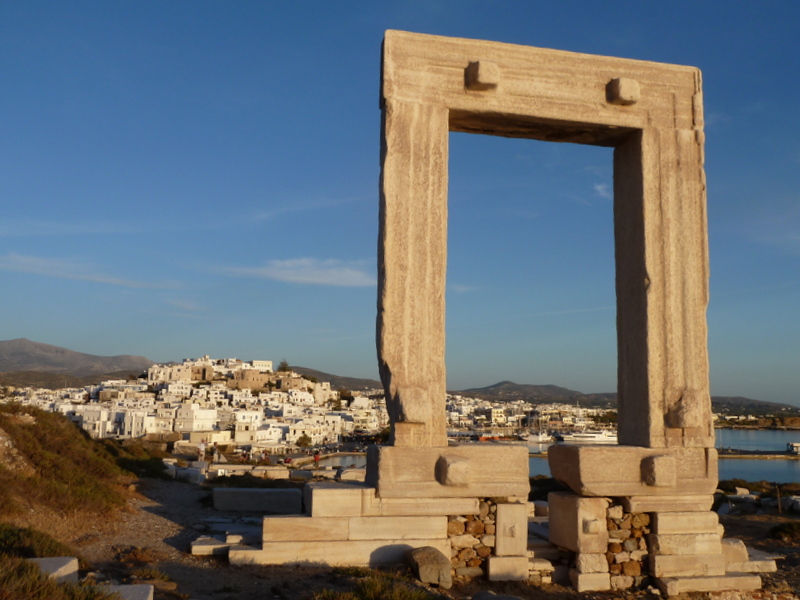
{"x":680,"y":585}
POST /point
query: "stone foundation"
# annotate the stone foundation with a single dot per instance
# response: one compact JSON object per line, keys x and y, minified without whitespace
{"x":681,"y":551}
{"x":455,"y":499}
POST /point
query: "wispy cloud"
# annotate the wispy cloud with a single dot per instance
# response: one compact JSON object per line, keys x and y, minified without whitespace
{"x":778,"y":227}
{"x":603,"y":190}
{"x":185,"y":305}
{"x":459,"y":288}
{"x":310,"y":271}
{"x":305,"y":206}
{"x":66,"y":269}
{"x":31,"y":228}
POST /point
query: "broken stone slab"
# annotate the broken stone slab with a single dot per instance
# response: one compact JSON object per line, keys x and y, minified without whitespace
{"x":430,"y":565}
{"x":672,"y":586}
{"x":734,"y":550}
{"x":209,"y":546}
{"x":753,"y":566}
{"x":138,"y":591}
{"x":62,"y":569}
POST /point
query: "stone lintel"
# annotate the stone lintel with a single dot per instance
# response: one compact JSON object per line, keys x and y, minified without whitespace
{"x":493,"y":471}
{"x":637,"y":471}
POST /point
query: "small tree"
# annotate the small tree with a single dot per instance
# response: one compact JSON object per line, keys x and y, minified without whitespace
{"x":303,"y":441}
{"x":283,"y":366}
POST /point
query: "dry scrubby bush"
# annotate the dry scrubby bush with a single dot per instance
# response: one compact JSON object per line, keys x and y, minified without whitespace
{"x":786,"y":532}
{"x":20,"y":579}
{"x":376,"y":585}
{"x":71,"y":471}
{"x":29,"y":543}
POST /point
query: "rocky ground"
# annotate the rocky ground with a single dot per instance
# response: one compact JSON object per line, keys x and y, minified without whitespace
{"x":164,"y":517}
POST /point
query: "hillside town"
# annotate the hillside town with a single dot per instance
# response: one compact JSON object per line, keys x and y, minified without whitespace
{"x":261,"y":409}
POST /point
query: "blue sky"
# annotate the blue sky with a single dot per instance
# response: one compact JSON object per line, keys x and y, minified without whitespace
{"x":185,"y":178}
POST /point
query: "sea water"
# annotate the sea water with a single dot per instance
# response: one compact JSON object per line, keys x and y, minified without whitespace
{"x":778,"y":470}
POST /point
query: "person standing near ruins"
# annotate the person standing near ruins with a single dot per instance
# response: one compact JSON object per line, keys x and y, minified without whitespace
{"x":201,"y":450}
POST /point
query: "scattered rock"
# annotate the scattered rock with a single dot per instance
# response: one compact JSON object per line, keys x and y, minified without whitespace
{"x":429,"y":565}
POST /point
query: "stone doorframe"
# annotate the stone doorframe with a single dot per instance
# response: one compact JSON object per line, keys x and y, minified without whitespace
{"x":651,"y":114}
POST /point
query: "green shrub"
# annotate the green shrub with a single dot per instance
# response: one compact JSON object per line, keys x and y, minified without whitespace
{"x":29,"y":543}
{"x":21,"y":579}
{"x":72,"y":471}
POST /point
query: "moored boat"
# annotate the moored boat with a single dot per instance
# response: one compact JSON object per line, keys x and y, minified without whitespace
{"x":603,"y":436}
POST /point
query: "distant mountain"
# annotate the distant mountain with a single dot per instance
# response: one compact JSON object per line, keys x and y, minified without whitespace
{"x":545,"y":394}
{"x":747,"y":406}
{"x":57,"y":381}
{"x":338,"y":381}
{"x":508,"y":390}
{"x":24,"y":355}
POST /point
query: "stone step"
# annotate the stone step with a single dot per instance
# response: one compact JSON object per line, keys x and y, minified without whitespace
{"x":753,"y":566}
{"x":353,"y":553}
{"x":672,"y":586}
{"x":207,"y":545}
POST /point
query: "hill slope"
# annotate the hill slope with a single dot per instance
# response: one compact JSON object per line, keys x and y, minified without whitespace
{"x":338,"y":381}
{"x":542,"y":394}
{"x":22,"y":354}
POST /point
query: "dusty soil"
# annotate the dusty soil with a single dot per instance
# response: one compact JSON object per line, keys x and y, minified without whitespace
{"x":164,"y":517}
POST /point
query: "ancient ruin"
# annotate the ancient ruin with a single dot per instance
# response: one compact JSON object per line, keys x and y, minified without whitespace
{"x":642,"y":508}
